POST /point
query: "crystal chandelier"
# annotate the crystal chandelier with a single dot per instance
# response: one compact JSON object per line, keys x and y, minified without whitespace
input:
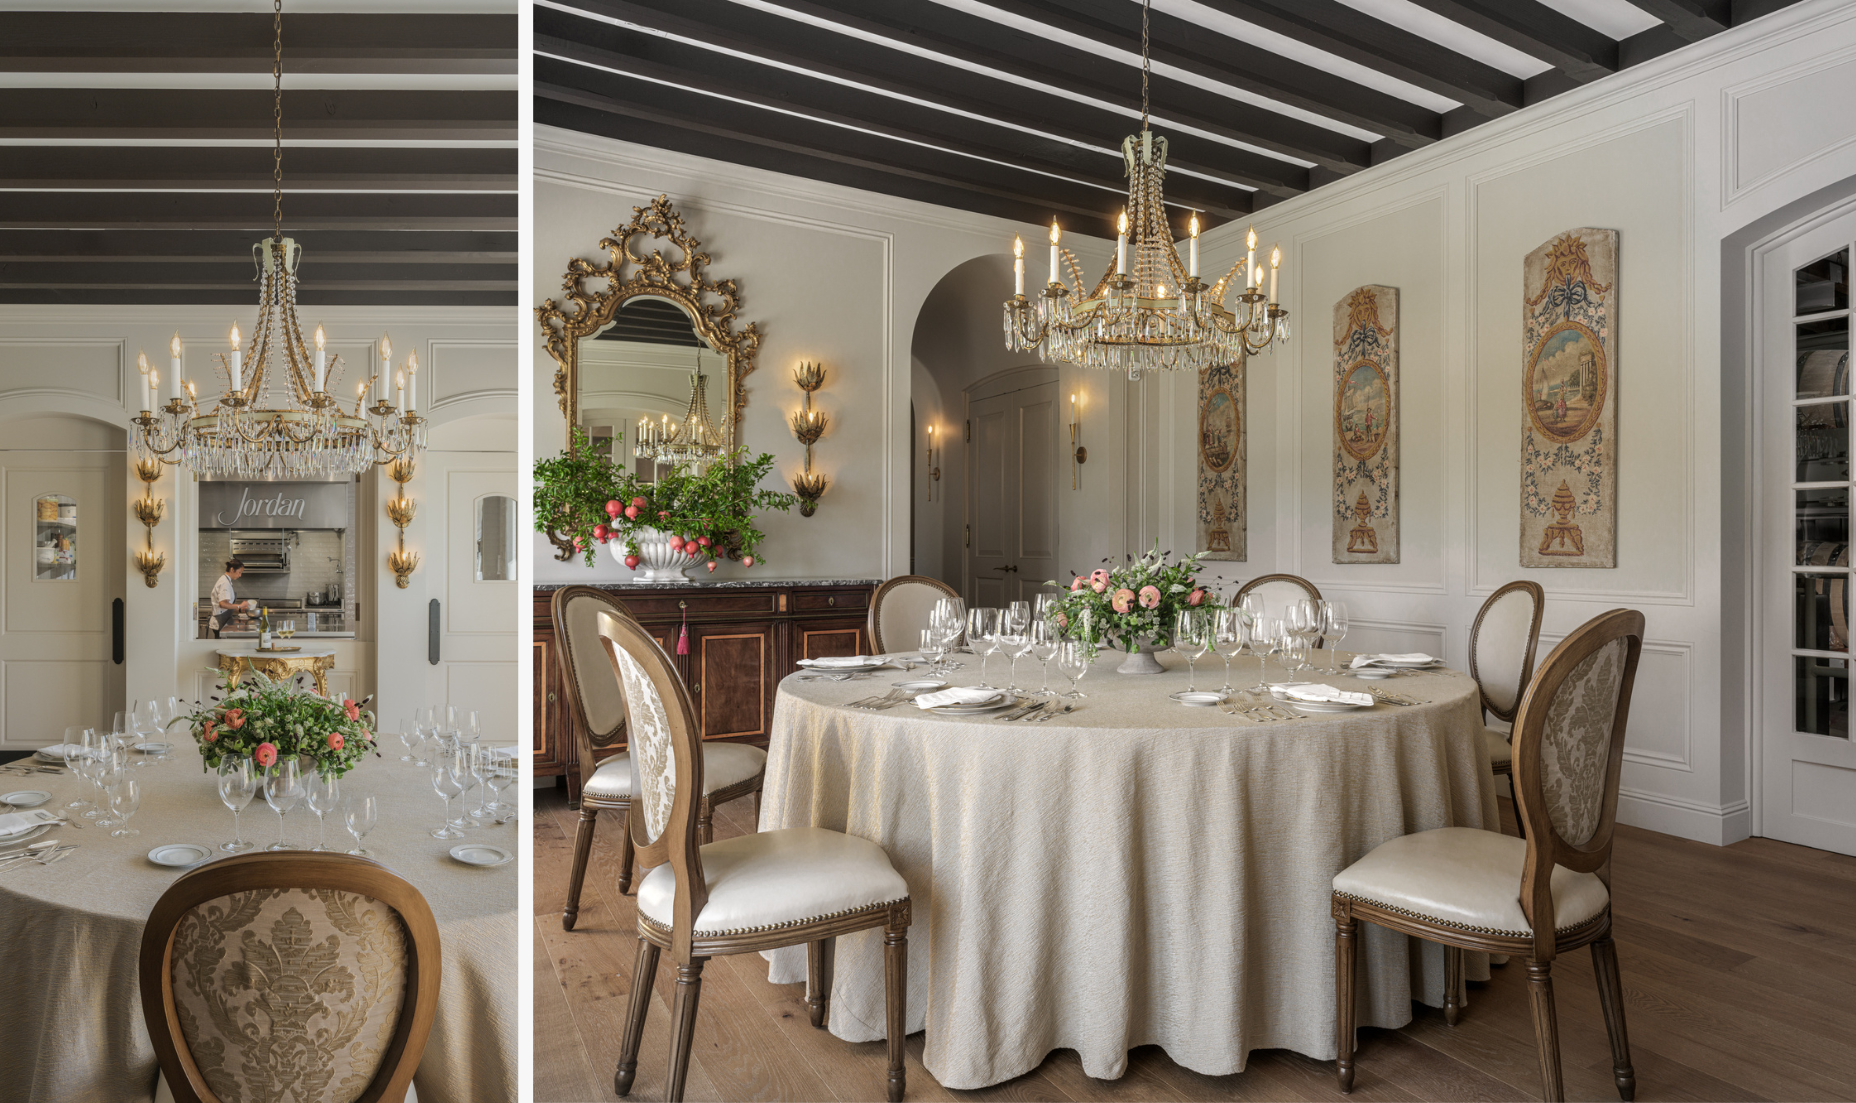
{"x":696,"y":442}
{"x":277,"y":415}
{"x":1158,"y":315}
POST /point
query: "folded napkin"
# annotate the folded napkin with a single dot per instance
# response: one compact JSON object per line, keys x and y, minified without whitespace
{"x":13,"y":823}
{"x":56,"y":751}
{"x":1326,"y":693}
{"x":1373,"y":660}
{"x":958,"y":695}
{"x":832,"y":662}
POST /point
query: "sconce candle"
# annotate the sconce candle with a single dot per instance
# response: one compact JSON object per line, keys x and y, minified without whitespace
{"x":1275,"y":260}
{"x":412,"y":381}
{"x":141,"y":365}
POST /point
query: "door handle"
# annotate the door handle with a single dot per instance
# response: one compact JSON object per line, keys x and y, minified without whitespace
{"x":1013,"y":568}
{"x":431,"y":632}
{"x":116,"y":639}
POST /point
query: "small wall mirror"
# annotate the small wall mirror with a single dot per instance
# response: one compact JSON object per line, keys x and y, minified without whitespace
{"x":496,"y":539}
{"x":652,"y":390}
{"x":54,"y":538}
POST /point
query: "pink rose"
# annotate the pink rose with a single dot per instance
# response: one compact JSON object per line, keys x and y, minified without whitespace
{"x":353,"y":709}
{"x":1099,"y":586}
{"x":1063,"y":619}
{"x":368,"y":734}
{"x":336,"y":741}
{"x":265,"y":755}
{"x":1123,"y":600}
{"x":235,"y":718}
{"x":1195,"y":597}
{"x":1098,"y":575}
{"x":1078,"y":584}
{"x":211,"y":736}
{"x":1150,"y":597}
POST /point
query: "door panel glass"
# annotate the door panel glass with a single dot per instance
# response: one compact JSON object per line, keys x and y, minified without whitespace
{"x":1823,"y":523}
{"x":1821,"y":696}
{"x":496,"y":539}
{"x":1823,"y":443}
{"x":1823,"y":357}
{"x":54,"y":538}
{"x":1820,"y":612}
{"x":1824,"y":284}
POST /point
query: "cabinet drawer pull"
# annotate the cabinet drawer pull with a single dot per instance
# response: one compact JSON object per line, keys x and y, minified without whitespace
{"x":551,"y":698}
{"x":695,"y":688}
{"x":683,"y":605}
{"x":831,"y":601}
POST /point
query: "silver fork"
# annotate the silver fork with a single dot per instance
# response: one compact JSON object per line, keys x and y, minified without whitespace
{"x":887,"y":700}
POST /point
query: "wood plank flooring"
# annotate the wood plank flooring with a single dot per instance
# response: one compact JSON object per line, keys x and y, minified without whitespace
{"x":1739,"y":971}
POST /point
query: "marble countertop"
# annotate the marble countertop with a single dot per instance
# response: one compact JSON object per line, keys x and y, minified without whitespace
{"x":706,"y":584}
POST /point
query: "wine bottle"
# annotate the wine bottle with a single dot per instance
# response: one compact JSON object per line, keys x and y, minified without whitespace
{"x":264,"y":629}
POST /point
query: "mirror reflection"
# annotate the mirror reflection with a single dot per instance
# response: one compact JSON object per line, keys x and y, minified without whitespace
{"x":496,"y":539}
{"x":54,"y":538}
{"x":653,"y":394}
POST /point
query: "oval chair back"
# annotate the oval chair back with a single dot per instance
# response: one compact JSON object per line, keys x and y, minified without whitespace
{"x":1501,"y":646}
{"x":595,"y":701}
{"x":899,"y":611}
{"x":1279,"y":591}
{"x":247,"y":960}
{"x":1568,"y":751}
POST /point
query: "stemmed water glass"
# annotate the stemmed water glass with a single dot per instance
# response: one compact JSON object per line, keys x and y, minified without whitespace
{"x":449,"y":769}
{"x":125,"y":797}
{"x":108,"y":767}
{"x":502,"y":774}
{"x":950,"y":615}
{"x":93,"y":767}
{"x":983,"y":637}
{"x":322,"y":792}
{"x":1298,"y":620}
{"x":283,"y":789}
{"x":1045,"y":640}
{"x":1333,"y":629}
{"x":77,"y":747}
{"x":360,"y":814}
{"x":1265,"y":640}
{"x":238,"y":783}
{"x":1015,"y":635}
{"x":1073,"y":662}
{"x":1228,"y":639}
{"x":933,"y":649}
{"x":410,"y":738}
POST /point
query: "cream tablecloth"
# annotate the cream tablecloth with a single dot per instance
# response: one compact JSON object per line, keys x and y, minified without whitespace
{"x":1137,"y":872}
{"x":70,"y":934}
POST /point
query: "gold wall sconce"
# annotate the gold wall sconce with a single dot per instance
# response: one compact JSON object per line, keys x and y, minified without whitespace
{"x":148,"y":510}
{"x":400,"y":509}
{"x":1078,"y":454}
{"x":934,"y":472}
{"x":808,"y":426}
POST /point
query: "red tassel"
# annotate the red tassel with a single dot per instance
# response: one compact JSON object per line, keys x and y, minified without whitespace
{"x":683,"y":636}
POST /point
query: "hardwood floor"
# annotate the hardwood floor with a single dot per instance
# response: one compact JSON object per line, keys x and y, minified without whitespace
{"x":1739,"y":971}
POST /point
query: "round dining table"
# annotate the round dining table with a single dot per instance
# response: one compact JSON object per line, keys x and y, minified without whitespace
{"x":1132,"y":872}
{"x":71,"y":930}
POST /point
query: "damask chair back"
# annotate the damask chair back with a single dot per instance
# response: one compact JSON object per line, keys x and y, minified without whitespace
{"x":290,"y":976}
{"x":595,"y":699}
{"x":1568,"y":751}
{"x":1279,"y":591}
{"x":667,"y":765}
{"x":899,"y":611}
{"x":1502,"y":643}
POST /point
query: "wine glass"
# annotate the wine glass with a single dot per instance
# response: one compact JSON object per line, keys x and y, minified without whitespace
{"x":1014,"y":635}
{"x":322,"y":792}
{"x":409,"y":738}
{"x":360,"y":813}
{"x":448,"y":770}
{"x":1297,"y":620}
{"x":125,"y":797}
{"x":1189,"y":639}
{"x":1228,"y":638}
{"x":238,"y":783}
{"x":1333,"y":629}
{"x":1073,"y":662}
{"x":1266,"y":635}
{"x":983,"y":637}
{"x":933,"y":648}
{"x":77,"y":744}
{"x":950,"y":613}
{"x":480,"y":776}
{"x":502,"y":774}
{"x":283,"y":788}
{"x":1045,"y":640}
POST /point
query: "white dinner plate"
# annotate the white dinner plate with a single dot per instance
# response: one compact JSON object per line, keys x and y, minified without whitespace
{"x":25,"y":798}
{"x":1373,"y":673}
{"x":1326,"y":706}
{"x":27,"y":835}
{"x":481,"y":854}
{"x":51,"y":754}
{"x":1278,"y":690}
{"x":1408,"y":666}
{"x":154,"y":748}
{"x":1003,"y":701}
{"x":922,"y":685}
{"x":1199,"y":698}
{"x":179,"y":855}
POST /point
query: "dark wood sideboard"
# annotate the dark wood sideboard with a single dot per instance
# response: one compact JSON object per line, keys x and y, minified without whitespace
{"x":743,"y":640}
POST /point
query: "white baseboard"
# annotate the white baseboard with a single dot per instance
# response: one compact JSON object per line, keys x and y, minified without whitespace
{"x":1685,"y":819}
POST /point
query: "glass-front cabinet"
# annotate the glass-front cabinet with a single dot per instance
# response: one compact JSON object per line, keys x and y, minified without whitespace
{"x":1821,"y":497}
{"x":54,"y":538}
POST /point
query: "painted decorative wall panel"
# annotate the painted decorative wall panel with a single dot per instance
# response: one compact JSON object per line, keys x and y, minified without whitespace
{"x":1365,"y":504}
{"x":1569,"y":467}
{"x":1221,"y":496}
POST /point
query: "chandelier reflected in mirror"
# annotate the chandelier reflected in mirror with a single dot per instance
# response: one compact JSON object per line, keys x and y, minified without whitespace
{"x":276,"y":414}
{"x":1152,"y":312}
{"x":695,"y":443}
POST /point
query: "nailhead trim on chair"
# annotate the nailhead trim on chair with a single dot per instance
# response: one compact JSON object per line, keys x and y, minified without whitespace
{"x":665,"y":927}
{"x":1463,"y":926}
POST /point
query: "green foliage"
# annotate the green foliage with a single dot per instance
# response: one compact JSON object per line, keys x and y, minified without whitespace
{"x":1115,"y":603}
{"x":262,"y":712}
{"x":572,"y":491}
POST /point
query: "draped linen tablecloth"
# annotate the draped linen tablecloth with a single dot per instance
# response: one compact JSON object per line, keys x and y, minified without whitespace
{"x":71,"y":932}
{"x":1135,"y":872}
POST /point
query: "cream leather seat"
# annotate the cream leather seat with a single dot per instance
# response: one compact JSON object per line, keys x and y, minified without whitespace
{"x":1464,"y":877}
{"x":1501,"y":752}
{"x":725,"y":765}
{"x":779,"y":878}
{"x":899,"y":611}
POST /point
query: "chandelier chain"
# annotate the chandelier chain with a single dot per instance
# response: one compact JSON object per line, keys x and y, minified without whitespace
{"x":1146,"y":62}
{"x":277,"y":149}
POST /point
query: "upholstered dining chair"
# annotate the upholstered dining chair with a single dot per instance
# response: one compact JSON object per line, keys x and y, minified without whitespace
{"x":899,"y":611}
{"x":742,"y":895}
{"x":1501,"y":659}
{"x":596,"y":702}
{"x":248,"y":962}
{"x":1532,"y":898}
{"x":1279,"y":591}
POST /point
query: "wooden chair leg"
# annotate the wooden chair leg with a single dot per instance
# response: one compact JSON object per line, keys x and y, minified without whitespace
{"x":644,"y":974}
{"x":896,"y":996}
{"x":1546,"y":1030}
{"x":583,"y":847}
{"x":705,"y":823}
{"x":683,"y":1026}
{"x":819,"y":958}
{"x":625,"y":851}
{"x":1346,"y":945}
{"x":1611,"y":998}
{"x":1453,"y":984}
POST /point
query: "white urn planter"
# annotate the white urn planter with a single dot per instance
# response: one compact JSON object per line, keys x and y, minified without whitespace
{"x":657,"y":562}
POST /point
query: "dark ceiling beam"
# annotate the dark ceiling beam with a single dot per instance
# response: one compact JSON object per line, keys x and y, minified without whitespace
{"x":250,"y":211}
{"x":207,"y":168}
{"x":1214,"y":57}
{"x":357,"y":246}
{"x":196,"y":42}
{"x":982,"y":43}
{"x":904,"y":78}
{"x":1580,"y":52}
{"x":202,"y":272}
{"x":778,"y":91}
{"x":488,"y":296}
{"x":1333,"y":27}
{"x":1691,"y":20}
{"x":323,"y":114}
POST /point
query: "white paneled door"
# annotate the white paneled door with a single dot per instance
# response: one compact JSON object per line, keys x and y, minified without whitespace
{"x":1807,"y":762}
{"x":1012,"y":467}
{"x":477,"y":601}
{"x":62,"y":567}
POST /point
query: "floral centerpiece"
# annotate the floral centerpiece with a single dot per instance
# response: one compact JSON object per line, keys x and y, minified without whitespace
{"x":709,"y":515}
{"x":267,"y":720}
{"x":1135,"y":605}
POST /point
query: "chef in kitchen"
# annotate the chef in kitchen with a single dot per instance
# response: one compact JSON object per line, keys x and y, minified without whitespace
{"x":225,"y":604}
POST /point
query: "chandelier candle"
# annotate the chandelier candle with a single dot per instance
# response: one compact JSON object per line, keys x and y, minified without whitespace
{"x":1018,"y":264}
{"x":1056,"y":276}
{"x":174,"y":368}
{"x":1192,"y":251}
{"x":386,"y":370}
{"x":412,"y":381}
{"x":237,"y":360}
{"x":322,"y":362}
{"x":141,"y":364}
{"x":1121,"y":245}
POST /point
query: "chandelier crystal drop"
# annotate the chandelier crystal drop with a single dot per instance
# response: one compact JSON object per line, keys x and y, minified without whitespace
{"x":1150,"y":313}
{"x":277,"y":415}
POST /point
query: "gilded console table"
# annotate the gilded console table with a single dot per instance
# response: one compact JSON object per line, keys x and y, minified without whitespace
{"x":278,"y":666}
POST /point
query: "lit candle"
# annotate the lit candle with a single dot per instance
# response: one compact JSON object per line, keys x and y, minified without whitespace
{"x":322,"y":362}
{"x":1192,"y":250}
{"x":412,"y":381}
{"x":1055,"y":277}
{"x":1250,"y":256}
{"x":1018,"y":265}
{"x":1275,"y":259}
{"x":1072,"y":410}
{"x":141,"y":364}
{"x":400,"y":380}
{"x":1121,"y":245}
{"x":174,"y":368}
{"x":386,"y":370}
{"x":238,"y":362}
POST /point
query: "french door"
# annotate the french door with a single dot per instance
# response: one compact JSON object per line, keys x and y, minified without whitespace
{"x":473,"y":563}
{"x":1807,"y":761}
{"x":1012,"y":469}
